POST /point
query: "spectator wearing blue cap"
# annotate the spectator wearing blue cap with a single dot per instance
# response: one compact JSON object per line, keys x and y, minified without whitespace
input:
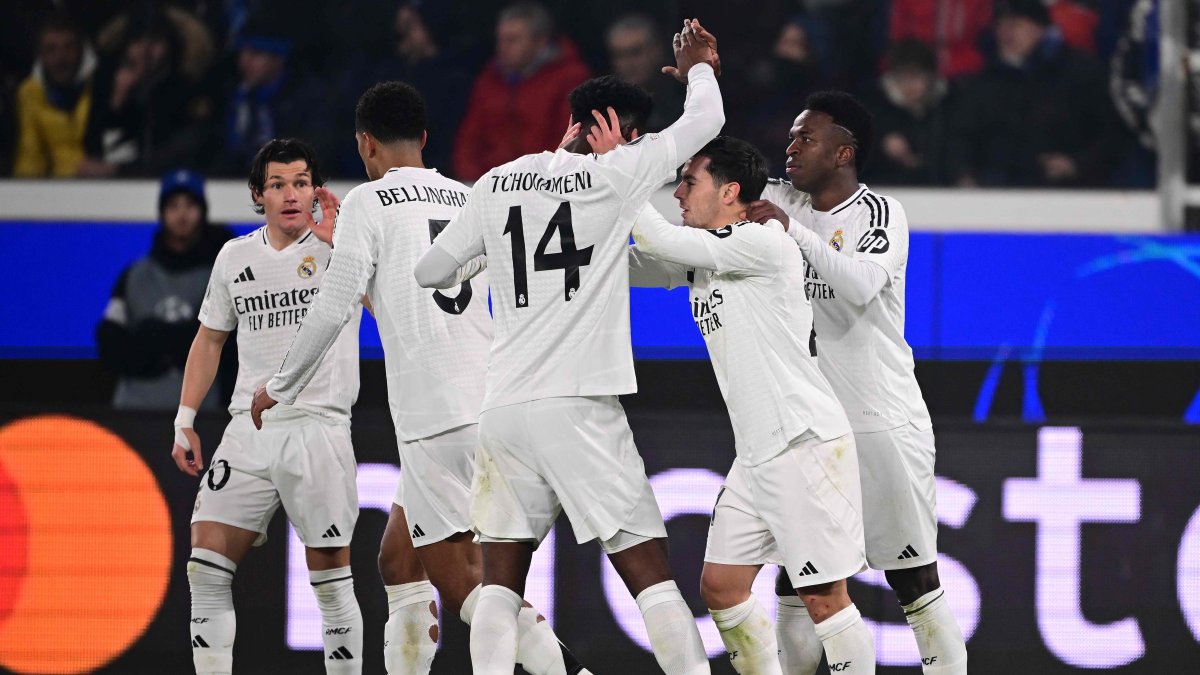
{"x":150,"y":319}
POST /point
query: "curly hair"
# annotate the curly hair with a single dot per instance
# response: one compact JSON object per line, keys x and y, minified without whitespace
{"x":633,"y":105}
{"x":732,"y":160}
{"x":850,"y":114}
{"x":391,"y":111}
{"x":284,"y":151}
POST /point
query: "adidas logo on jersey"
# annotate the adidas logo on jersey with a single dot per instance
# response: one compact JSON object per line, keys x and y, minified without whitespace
{"x":341,"y":654}
{"x":908,"y":552}
{"x":246,"y":275}
{"x":808,"y":569}
{"x":331,"y":532}
{"x":417,"y":531}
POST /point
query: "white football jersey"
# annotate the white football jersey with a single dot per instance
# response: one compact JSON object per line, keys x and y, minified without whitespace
{"x":435,"y":343}
{"x":554,"y":227}
{"x":265,"y":294}
{"x":862,"y":350}
{"x":747,"y":296}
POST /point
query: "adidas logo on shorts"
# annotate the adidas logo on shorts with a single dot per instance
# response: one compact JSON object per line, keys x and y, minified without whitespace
{"x":417,"y":532}
{"x":331,"y":532}
{"x":908,"y":552}
{"x":808,"y":569}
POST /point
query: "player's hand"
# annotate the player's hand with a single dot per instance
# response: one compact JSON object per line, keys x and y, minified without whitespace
{"x":188,"y":457}
{"x":706,"y":38}
{"x":761,"y":210}
{"x":606,"y":134}
{"x":329,"y":210}
{"x":262,"y":401}
{"x":573,"y":130}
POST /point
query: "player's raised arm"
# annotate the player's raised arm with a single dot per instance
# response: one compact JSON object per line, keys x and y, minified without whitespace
{"x":703,"y":110}
{"x":350,"y":269}
{"x":457,"y":252}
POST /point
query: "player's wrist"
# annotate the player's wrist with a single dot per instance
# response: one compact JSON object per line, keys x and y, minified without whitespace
{"x":185,"y":418}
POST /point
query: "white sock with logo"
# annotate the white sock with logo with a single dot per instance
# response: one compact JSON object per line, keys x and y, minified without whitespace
{"x":341,"y":620}
{"x":410,"y":634}
{"x":939,"y":639}
{"x":214,"y":625}
{"x":800,"y":649}
{"x":538,"y":650}
{"x":494,"y":631}
{"x":672,"y":630}
{"x":749,"y":638}
{"x":849,"y":646}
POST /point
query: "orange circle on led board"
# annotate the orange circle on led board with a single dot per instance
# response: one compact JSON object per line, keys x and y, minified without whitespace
{"x":96,"y":535}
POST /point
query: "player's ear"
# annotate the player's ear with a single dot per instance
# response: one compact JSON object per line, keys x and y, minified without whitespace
{"x":845,"y":155}
{"x":424,"y":138}
{"x":731,"y":192}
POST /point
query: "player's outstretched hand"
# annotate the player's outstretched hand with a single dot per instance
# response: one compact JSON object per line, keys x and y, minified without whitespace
{"x":190,"y":446}
{"x":329,"y":210}
{"x":606,"y":135}
{"x":262,"y":401}
{"x":706,"y":38}
{"x":573,"y":130}
{"x":761,"y":210}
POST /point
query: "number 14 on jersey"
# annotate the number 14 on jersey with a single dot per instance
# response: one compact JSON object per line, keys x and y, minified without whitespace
{"x":569,"y":259}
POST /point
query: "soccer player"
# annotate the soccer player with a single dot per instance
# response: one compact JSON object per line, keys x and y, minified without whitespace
{"x":262,"y":284}
{"x":555,"y":227}
{"x":856,"y":244}
{"x":435,"y":349}
{"x":792,"y":495}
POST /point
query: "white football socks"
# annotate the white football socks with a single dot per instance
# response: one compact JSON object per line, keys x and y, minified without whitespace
{"x":849,"y":646}
{"x":749,"y":638}
{"x":213,"y":623}
{"x":939,"y":639}
{"x":800,"y":649}
{"x":408,"y":642}
{"x":494,"y":630}
{"x":672,"y":630}
{"x":341,"y":620}
{"x":538,"y":650}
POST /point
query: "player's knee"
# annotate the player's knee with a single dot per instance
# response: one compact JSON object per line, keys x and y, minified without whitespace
{"x":718,"y":592}
{"x":910,"y":584}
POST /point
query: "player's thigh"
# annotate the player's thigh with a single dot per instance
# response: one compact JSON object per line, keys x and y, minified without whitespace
{"x":899,"y":498}
{"x":227,"y":540}
{"x":809,"y":498}
{"x":435,"y":483}
{"x":510,"y":500}
{"x":315,"y":473}
{"x":585,"y":450}
{"x":236,"y":491}
{"x":398,"y":561}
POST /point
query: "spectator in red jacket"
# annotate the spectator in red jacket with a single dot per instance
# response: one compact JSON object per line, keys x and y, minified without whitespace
{"x":951,"y":27}
{"x":518,"y":104}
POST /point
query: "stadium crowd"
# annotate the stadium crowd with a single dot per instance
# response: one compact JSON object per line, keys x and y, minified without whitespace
{"x":965,"y":92}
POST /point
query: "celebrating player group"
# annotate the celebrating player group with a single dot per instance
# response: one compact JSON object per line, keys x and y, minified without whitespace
{"x":505,"y":419}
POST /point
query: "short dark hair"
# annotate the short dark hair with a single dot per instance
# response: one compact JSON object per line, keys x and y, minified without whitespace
{"x":732,"y":160}
{"x":850,"y":114}
{"x":391,"y":111}
{"x":61,"y":22}
{"x":284,"y":151}
{"x":632,"y":103}
{"x":535,"y":14}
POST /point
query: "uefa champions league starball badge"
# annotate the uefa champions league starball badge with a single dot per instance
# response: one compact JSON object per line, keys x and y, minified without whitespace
{"x":307,"y":268}
{"x":836,"y":241}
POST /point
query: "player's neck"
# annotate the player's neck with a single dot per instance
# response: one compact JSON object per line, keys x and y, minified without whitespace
{"x":729,"y":216}
{"x":839,"y":188}
{"x":281,"y":239}
{"x":401,"y":157}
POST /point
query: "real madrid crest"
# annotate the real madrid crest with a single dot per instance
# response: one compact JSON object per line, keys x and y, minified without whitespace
{"x":836,"y":241}
{"x":308,"y":268}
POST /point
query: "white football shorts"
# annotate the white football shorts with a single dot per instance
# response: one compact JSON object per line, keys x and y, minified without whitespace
{"x":801,"y":509}
{"x":573,"y":454}
{"x":303,"y":462}
{"x":899,"y":497}
{"x":435,"y":483}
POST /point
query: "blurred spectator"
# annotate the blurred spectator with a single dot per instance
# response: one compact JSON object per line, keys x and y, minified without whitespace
{"x":909,"y":106}
{"x":147,"y":112}
{"x":1039,"y":114}
{"x":53,"y":103}
{"x":265,"y":100}
{"x":775,"y":89}
{"x":150,"y":319}
{"x":637,"y":52}
{"x":951,"y":27}
{"x":518,"y":104}
{"x":422,"y":57}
